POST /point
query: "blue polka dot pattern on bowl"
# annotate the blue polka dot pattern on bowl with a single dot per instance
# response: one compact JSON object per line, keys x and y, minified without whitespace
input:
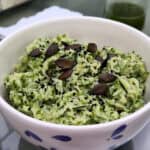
{"x":33,"y":135}
{"x":117,"y":134}
{"x":62,"y":138}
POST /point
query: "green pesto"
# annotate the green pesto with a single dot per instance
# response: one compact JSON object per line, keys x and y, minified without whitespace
{"x":32,"y":92}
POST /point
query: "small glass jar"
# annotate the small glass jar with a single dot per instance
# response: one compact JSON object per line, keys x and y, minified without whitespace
{"x":131,"y":12}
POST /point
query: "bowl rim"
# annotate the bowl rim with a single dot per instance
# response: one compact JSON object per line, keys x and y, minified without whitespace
{"x":11,"y":109}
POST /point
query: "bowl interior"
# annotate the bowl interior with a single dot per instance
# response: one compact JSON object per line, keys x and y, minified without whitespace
{"x":101,"y":31}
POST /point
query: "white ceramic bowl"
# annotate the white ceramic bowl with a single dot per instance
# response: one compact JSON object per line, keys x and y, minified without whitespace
{"x":64,"y":137}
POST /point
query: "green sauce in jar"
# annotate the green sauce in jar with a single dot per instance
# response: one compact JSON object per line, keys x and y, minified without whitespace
{"x":129,"y":13}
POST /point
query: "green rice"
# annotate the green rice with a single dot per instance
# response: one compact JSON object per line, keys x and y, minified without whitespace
{"x":69,"y":101}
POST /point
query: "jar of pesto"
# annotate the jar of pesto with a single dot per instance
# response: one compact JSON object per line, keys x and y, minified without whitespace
{"x":131,"y":12}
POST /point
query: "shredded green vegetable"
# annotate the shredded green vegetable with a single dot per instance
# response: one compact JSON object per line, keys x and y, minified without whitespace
{"x":33,"y":92}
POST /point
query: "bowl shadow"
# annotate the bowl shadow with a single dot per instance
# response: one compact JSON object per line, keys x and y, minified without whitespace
{"x":128,"y":146}
{"x":24,"y":145}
